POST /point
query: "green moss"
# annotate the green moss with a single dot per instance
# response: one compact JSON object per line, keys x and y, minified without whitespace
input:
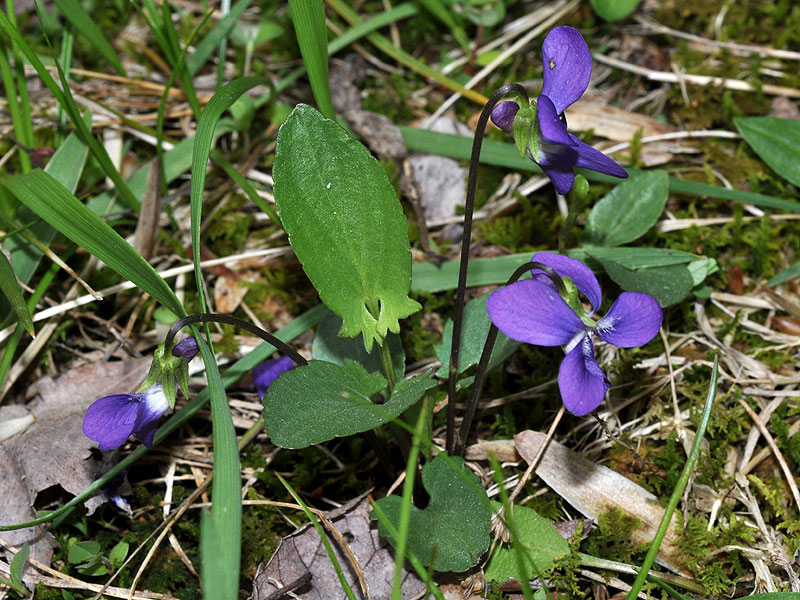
{"x":612,"y":539}
{"x":229,"y":228}
{"x":564,"y":575}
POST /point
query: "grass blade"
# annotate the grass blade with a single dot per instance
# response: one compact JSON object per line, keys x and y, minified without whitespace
{"x":679,"y":487}
{"x":9,"y":286}
{"x":209,"y":43}
{"x":308,"y":17}
{"x":80,"y":19}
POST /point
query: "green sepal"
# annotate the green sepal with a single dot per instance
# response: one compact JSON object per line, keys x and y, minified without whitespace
{"x":156,"y":367}
{"x":526,"y":131}
{"x":170,"y":389}
{"x":183,"y":378}
{"x":573,"y":300}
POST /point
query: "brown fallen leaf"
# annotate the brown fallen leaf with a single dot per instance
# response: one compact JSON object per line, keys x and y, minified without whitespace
{"x":53,"y":451}
{"x":302,"y":553}
{"x":593,"y":489}
{"x":228,"y":294}
{"x":613,"y":123}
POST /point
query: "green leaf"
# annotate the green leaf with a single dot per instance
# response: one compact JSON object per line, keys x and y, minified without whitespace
{"x":788,"y":273}
{"x":308,"y":19}
{"x":49,"y":199}
{"x":453,"y":530}
{"x":320,"y":401}
{"x":635,"y":258}
{"x":330,"y":347}
{"x":10,"y":287}
{"x":209,"y":43}
{"x":669,"y":285}
{"x":542,"y":543}
{"x":17,"y":565}
{"x":776,"y":141}
{"x":474,"y":328}
{"x":613,"y":10}
{"x":118,"y":554}
{"x":345,"y":224}
{"x":83,"y":552}
{"x":629,"y":210}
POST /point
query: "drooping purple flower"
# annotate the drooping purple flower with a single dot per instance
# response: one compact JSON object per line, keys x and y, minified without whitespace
{"x":113,"y":492}
{"x":532,"y":311}
{"x":186,"y":349}
{"x":567,"y":69}
{"x":268,"y":371}
{"x":111,"y":420}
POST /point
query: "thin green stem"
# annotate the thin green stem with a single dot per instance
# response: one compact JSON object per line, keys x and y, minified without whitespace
{"x":386,"y":364}
{"x":679,"y":487}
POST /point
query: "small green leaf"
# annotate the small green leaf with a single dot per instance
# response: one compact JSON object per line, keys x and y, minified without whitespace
{"x":776,"y":141}
{"x":320,"y":401}
{"x":10,"y":287}
{"x":330,"y":347}
{"x":629,"y":210}
{"x":613,"y":10}
{"x":453,"y":530}
{"x":788,"y":273}
{"x":93,"y":568}
{"x":118,"y":554}
{"x":17,"y":565}
{"x":83,"y":552}
{"x":475,"y":326}
{"x":345,"y":224}
{"x":542,"y":543}
{"x":669,"y":285}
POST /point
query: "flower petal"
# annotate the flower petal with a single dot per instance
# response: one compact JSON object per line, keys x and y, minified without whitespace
{"x":581,"y":275}
{"x":152,"y":407}
{"x":268,"y":371}
{"x":634,"y":319}
{"x":110,"y":420}
{"x":186,"y":349}
{"x":593,"y":159}
{"x":582,"y":383}
{"x":567,"y":66}
{"x":551,"y":126}
{"x":533,"y":312}
{"x":562,"y":178}
{"x":503,"y":115}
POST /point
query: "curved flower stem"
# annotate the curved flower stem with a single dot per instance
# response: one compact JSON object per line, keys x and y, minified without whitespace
{"x":469,"y":208}
{"x":488,"y":346}
{"x":229,"y":320}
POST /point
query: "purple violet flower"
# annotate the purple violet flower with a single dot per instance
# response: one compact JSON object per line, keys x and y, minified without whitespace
{"x":567,"y":69}
{"x":532,"y":311}
{"x":268,"y":371}
{"x":186,"y":349}
{"x":111,"y":420}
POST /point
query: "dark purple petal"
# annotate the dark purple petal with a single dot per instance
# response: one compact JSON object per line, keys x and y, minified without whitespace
{"x":633,"y":320}
{"x":567,"y":66}
{"x":503,"y":115}
{"x":533,"y":312}
{"x":268,"y":371}
{"x":110,"y":420}
{"x":151,"y":408}
{"x":186,"y":349}
{"x":562,"y":178}
{"x":581,"y":275}
{"x":551,"y":126}
{"x":593,"y":159}
{"x":582,"y":383}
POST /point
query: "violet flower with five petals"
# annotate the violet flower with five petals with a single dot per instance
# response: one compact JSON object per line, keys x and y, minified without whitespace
{"x":111,"y":420}
{"x":567,"y":70}
{"x":532,"y":311}
{"x":268,"y":371}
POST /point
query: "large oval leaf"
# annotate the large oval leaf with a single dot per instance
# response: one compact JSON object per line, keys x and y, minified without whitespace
{"x":629,"y":210}
{"x":775,"y":141}
{"x":345,"y":224}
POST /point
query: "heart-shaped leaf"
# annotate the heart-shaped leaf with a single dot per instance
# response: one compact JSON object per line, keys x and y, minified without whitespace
{"x":321,"y":400}
{"x":453,"y":530}
{"x":629,"y":210}
{"x":345,"y":224}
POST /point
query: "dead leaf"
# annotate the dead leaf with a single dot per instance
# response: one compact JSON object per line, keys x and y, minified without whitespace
{"x":53,"y":451}
{"x":228,"y":294}
{"x":593,"y":489}
{"x":302,"y":553}
{"x":613,"y":123}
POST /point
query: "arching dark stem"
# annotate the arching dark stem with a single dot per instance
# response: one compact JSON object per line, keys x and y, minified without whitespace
{"x":229,"y":320}
{"x":491,"y":338}
{"x":469,"y":207}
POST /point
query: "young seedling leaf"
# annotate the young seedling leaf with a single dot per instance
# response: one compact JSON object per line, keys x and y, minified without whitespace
{"x":320,"y":401}
{"x":775,"y":141}
{"x":542,"y":543}
{"x":613,"y":10}
{"x":18,"y":564}
{"x":453,"y":530}
{"x":83,"y":552}
{"x":345,"y":224}
{"x":475,"y":326}
{"x":331,"y":347}
{"x":629,"y":210}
